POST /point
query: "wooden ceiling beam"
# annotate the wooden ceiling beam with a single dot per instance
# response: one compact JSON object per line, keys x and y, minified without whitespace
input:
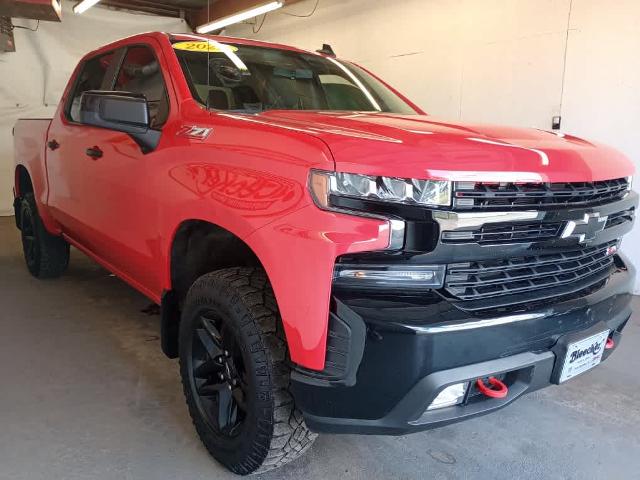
{"x":224,"y":8}
{"x":148,"y":6}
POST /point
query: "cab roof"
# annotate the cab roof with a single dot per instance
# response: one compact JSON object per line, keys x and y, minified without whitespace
{"x":237,"y":40}
{"x":187,"y":36}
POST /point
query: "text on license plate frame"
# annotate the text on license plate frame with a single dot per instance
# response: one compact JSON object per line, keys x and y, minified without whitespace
{"x":583,"y":355}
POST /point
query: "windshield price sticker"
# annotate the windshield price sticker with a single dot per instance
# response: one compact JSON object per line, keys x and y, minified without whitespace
{"x":205,"y":47}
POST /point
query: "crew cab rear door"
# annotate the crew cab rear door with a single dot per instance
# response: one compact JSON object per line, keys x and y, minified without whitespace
{"x":66,"y":162}
{"x":113,"y":211}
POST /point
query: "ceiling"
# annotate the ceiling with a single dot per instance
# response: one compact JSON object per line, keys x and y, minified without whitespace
{"x":196,"y":12}
{"x":168,"y":8}
{"x":189,"y":3}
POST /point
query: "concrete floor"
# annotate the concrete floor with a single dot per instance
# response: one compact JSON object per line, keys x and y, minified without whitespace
{"x":86,"y":393}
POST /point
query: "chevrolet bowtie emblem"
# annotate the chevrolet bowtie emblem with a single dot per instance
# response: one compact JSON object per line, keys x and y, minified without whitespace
{"x":586,"y":229}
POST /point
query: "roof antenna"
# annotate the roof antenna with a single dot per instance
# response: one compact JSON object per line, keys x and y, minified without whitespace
{"x":327,"y":50}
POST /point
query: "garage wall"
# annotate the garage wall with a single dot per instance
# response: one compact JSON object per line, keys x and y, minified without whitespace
{"x":32,"y":79}
{"x":487,"y":60}
{"x":602,"y":85}
{"x":497,"y":61}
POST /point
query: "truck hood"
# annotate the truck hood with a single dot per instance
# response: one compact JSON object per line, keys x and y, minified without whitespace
{"x":422,"y":146}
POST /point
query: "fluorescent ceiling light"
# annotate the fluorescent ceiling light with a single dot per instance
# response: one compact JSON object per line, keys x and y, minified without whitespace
{"x":238,"y":17}
{"x":83,"y":6}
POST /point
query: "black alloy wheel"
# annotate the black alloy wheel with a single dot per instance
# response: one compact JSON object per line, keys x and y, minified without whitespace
{"x":218,"y":376}
{"x":46,"y":255}
{"x":28,"y":235}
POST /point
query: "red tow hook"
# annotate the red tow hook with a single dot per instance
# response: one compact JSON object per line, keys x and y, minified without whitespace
{"x":610,"y":344}
{"x":495,"y":389}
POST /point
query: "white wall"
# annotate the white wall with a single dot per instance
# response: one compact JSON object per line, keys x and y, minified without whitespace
{"x":487,"y":60}
{"x":498,"y":61}
{"x":32,"y":79}
{"x":602,"y":84}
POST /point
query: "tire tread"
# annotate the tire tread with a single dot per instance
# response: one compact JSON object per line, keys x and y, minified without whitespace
{"x":284,"y":436}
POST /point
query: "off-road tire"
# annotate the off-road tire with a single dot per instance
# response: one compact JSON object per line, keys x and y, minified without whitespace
{"x":46,"y":255}
{"x":273,"y":432}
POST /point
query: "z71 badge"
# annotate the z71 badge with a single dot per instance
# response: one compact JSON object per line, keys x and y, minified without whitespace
{"x":193,"y":131}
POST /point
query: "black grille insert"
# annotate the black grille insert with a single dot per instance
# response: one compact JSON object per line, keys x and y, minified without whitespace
{"x":494,"y":278}
{"x":505,"y":233}
{"x":485,"y":195}
{"x":502,"y":233}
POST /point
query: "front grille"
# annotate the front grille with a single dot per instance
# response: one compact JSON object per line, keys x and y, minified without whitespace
{"x":535,"y":273}
{"x":486,"y":195}
{"x":505,"y":233}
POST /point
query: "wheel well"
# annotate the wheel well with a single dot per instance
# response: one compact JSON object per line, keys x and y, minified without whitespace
{"x":198,"y":247}
{"x":23,"y":181}
{"x":201,"y":247}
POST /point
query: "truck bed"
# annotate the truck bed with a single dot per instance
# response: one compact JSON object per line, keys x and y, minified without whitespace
{"x":29,"y":138}
{"x":29,"y":142}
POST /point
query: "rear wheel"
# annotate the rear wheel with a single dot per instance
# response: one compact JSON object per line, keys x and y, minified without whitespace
{"x":46,"y":255}
{"x":235,"y":373}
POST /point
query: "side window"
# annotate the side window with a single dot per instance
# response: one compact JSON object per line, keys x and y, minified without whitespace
{"x":93,"y":76}
{"x":140,"y":73}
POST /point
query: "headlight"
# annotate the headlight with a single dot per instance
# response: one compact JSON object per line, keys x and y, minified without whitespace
{"x":323,"y":184}
{"x":629,"y":182}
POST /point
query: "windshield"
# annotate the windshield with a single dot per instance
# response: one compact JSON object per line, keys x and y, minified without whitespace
{"x":245,"y":78}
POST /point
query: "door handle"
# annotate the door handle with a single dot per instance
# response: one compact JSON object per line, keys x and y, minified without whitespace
{"x":53,"y":145}
{"x":94,"y":152}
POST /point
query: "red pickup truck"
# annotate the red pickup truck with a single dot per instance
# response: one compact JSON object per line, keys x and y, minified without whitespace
{"x":327,"y":257}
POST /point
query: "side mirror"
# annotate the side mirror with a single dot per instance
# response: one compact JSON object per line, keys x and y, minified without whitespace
{"x":120,"y":111}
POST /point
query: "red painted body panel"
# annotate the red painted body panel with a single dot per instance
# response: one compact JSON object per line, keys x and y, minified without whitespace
{"x":421,"y":146}
{"x":250,"y":177}
{"x":30,"y":138}
{"x":301,"y":269}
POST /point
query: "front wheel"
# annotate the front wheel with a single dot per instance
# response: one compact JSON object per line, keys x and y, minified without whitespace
{"x":235,"y":372}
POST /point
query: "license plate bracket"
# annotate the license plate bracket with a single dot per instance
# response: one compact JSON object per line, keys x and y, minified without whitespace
{"x":579,"y":351}
{"x":583,"y":355}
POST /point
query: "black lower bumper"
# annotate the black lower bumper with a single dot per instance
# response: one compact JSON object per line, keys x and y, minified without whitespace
{"x":390,"y":358}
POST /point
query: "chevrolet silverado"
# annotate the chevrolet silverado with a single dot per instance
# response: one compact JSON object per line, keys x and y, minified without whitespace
{"x":327,"y":257}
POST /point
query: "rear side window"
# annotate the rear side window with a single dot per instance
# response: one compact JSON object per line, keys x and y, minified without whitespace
{"x":140,"y":73}
{"x":93,"y":76}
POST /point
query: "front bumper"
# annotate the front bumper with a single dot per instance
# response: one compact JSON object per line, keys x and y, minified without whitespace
{"x":388,"y":359}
